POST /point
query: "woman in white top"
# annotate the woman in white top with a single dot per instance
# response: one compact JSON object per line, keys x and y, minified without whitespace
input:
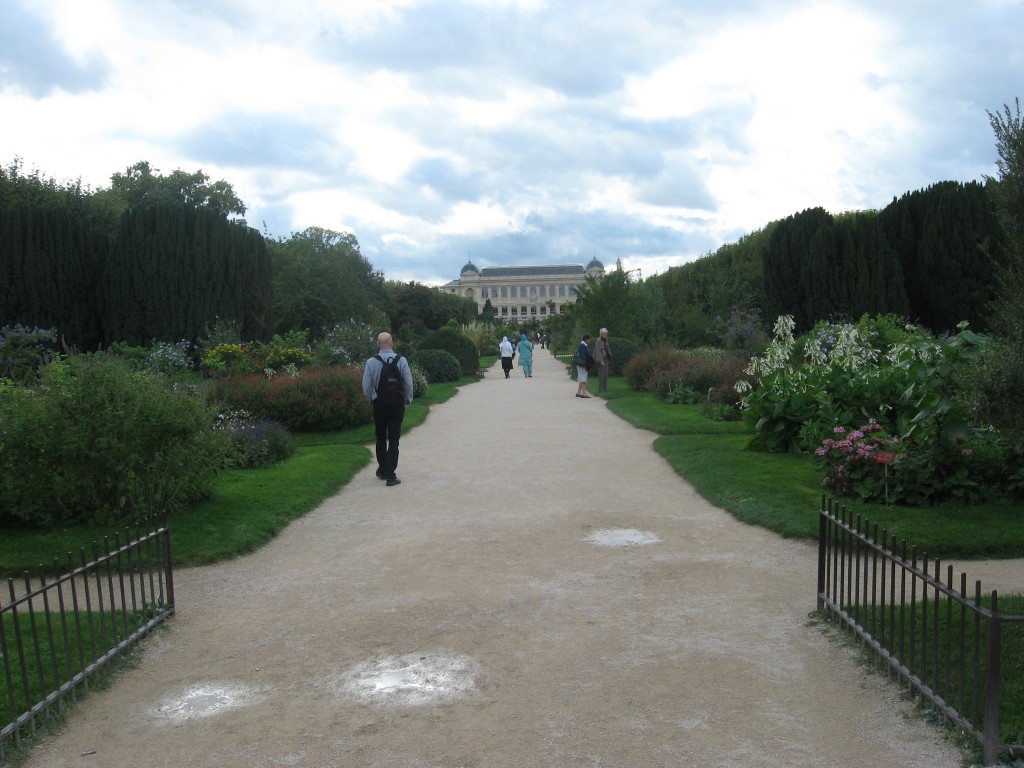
{"x":507,"y":352}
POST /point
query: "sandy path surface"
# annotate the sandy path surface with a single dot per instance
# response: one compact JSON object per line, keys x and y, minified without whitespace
{"x":541,"y":590}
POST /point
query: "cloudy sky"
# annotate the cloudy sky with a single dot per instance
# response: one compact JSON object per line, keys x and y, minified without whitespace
{"x":515,"y":131}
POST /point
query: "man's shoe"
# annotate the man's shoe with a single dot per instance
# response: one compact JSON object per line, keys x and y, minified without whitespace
{"x":393,"y":481}
{"x":380,"y":475}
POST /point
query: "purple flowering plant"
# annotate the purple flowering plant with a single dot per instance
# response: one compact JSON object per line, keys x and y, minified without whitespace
{"x":853,"y":463}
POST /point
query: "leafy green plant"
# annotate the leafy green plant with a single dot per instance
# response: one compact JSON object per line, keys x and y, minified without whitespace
{"x":227,"y":359}
{"x":347,"y":344}
{"x":98,"y":441}
{"x":838,"y":377}
{"x":24,"y":350}
{"x":254,"y":442}
{"x":420,"y":384}
{"x":856,"y":463}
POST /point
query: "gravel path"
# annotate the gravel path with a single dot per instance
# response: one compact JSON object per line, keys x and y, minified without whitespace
{"x":541,"y":590}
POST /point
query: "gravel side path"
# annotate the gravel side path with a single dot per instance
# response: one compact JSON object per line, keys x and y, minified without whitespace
{"x":541,"y":590}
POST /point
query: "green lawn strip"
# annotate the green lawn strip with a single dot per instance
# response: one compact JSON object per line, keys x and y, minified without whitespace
{"x":935,"y":668}
{"x":249,"y":507}
{"x":782,"y":492}
{"x":85,"y":643}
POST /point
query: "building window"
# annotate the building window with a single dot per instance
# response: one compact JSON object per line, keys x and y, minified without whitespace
{"x":504,"y":291}
{"x":533,"y":311}
{"x":483,"y":293}
{"x":543,"y":291}
{"x":504,"y":310}
{"x":515,"y":311}
{"x":543,"y":310}
{"x":533,"y":290}
{"x":524,"y":312}
{"x":561,"y":290}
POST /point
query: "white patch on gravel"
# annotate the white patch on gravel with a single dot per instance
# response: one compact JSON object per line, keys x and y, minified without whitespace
{"x":412,"y":680}
{"x":622,"y":537}
{"x":205,"y":700}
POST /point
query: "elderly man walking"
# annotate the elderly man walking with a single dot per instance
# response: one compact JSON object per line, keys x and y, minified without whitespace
{"x":388,"y":409}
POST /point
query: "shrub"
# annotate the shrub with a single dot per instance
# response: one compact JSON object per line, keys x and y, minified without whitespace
{"x":851,"y":461}
{"x":709,"y":373}
{"x":98,"y":442}
{"x":283,"y":352}
{"x":347,"y":344}
{"x":24,"y":350}
{"x":638,"y":371}
{"x":254,"y":442}
{"x":841,"y":378}
{"x":438,"y":365}
{"x":227,"y":359}
{"x":162,"y":356}
{"x":420,"y":385}
{"x":919,"y":472}
{"x":314,"y":400}
{"x":993,"y":388}
{"x":459,"y":346}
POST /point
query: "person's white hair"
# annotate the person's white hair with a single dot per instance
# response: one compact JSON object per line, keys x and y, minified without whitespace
{"x":603,"y":330}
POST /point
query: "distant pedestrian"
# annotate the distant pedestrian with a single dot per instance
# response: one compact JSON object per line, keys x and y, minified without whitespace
{"x":387,"y":416}
{"x":603,"y":358}
{"x":582,"y":360}
{"x":507,"y":352}
{"x":526,"y":356}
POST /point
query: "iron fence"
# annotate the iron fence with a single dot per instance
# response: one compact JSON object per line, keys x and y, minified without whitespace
{"x":58,"y":634}
{"x":943,"y":643}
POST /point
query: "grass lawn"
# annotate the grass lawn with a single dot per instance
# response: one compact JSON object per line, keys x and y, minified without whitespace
{"x":782,"y":492}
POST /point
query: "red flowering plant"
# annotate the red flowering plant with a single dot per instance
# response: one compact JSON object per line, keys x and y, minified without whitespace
{"x":856,"y":461}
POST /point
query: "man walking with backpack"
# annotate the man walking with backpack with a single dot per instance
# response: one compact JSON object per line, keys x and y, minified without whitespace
{"x":387,"y":384}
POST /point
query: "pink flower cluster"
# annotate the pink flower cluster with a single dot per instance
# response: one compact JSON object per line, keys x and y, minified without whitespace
{"x":854,"y":443}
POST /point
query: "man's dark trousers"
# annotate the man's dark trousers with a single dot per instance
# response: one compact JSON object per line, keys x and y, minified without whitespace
{"x":387,"y":424}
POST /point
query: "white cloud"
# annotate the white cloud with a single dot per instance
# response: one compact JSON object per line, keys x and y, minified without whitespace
{"x":518,"y":130}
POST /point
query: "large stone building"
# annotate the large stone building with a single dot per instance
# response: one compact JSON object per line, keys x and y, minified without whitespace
{"x":523,"y":293}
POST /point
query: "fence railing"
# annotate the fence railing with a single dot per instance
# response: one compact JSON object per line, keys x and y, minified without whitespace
{"x":59,"y":633}
{"x":944,"y":644}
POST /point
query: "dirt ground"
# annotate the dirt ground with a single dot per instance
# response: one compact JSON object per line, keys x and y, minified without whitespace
{"x":541,"y":590}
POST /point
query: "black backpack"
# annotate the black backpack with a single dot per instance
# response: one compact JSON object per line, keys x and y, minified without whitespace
{"x":390,"y":384}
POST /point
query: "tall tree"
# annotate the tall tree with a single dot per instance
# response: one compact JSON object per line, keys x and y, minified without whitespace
{"x":321,"y":279}
{"x":52,"y":244}
{"x":175,"y":269}
{"x":142,"y":185}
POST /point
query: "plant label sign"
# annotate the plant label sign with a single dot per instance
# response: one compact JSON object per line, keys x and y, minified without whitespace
{"x":885,"y":457}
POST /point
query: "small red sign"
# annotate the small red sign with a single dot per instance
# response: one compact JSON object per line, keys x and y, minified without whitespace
{"x":885,"y":457}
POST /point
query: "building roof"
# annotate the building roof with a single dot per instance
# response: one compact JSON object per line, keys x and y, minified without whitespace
{"x":470,"y":267}
{"x":533,"y":271}
{"x":594,"y":264}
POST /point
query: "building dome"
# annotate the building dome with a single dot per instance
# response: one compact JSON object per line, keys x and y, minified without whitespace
{"x":595,"y":264}
{"x":470,"y":267}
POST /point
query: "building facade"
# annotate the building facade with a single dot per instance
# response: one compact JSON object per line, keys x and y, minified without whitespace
{"x":523,"y":293}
